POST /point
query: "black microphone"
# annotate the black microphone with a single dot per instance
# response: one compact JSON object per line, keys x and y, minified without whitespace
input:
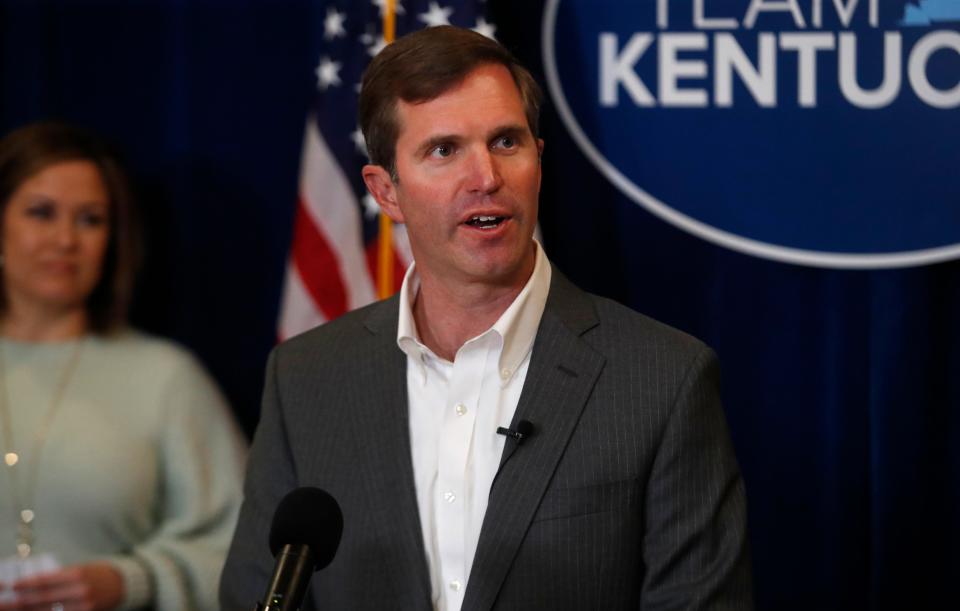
{"x":516,"y":435}
{"x":304,"y":537}
{"x":524,"y":429}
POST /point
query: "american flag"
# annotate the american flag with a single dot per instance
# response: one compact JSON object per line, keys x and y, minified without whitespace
{"x":332,"y":267}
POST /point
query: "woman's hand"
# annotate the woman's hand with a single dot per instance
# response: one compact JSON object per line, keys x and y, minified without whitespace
{"x":96,"y":586}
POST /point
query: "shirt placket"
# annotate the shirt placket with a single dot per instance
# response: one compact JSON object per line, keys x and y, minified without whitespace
{"x":453,"y":478}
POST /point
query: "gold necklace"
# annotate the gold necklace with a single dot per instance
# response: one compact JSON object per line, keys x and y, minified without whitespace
{"x":23,"y":504}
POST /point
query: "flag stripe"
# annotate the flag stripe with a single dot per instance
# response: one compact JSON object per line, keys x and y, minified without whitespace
{"x":317,"y":266}
{"x":330,"y":202}
{"x":299,"y":311}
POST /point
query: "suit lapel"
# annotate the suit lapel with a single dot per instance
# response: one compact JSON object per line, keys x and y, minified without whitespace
{"x":386,"y":468}
{"x":563,"y":370}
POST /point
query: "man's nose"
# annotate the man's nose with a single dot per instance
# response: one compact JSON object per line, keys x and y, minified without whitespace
{"x":484,"y":172}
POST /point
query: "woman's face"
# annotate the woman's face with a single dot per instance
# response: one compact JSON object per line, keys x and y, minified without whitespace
{"x":55,"y":234}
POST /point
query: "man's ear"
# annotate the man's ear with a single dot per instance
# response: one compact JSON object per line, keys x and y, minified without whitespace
{"x":382,"y":188}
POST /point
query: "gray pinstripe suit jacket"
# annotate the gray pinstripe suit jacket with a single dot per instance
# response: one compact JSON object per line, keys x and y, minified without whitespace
{"x":628,"y":495}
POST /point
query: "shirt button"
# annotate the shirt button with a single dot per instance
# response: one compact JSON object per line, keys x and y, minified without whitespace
{"x":455,"y":585}
{"x":449,"y":497}
{"x":461,"y":409}
{"x":504,"y":373}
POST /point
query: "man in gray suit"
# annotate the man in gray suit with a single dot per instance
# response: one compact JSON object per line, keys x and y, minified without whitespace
{"x":496,"y":438}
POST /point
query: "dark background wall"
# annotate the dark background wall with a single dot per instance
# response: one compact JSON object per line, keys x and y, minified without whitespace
{"x":842,"y":388}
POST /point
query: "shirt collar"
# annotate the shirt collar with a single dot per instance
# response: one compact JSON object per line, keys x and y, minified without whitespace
{"x":517,"y":326}
{"x":407,"y":337}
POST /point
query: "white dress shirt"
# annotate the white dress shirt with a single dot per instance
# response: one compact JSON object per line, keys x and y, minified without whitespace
{"x":455,"y":409}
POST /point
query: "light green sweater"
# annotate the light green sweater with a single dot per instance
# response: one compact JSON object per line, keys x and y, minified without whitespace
{"x":142,"y":466}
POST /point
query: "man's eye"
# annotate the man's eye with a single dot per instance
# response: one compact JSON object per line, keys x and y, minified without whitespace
{"x":442,"y":150}
{"x":506,"y":142}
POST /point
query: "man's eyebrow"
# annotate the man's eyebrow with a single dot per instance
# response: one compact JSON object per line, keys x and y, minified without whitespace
{"x":510,"y":128}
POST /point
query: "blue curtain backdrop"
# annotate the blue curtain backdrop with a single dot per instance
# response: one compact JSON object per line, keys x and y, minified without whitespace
{"x":842,"y":388}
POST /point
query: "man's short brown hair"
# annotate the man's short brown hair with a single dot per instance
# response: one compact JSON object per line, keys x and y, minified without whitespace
{"x":420,"y":67}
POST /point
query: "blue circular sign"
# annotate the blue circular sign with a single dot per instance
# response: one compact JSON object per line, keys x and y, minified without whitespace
{"x":819,"y":132}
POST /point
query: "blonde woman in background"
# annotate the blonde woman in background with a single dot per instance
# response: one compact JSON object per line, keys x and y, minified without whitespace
{"x":121,"y":468}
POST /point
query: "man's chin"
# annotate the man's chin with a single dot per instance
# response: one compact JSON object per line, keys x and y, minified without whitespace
{"x":502,"y":271}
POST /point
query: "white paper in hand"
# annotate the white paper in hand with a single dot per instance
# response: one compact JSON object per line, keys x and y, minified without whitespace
{"x":15,"y":568}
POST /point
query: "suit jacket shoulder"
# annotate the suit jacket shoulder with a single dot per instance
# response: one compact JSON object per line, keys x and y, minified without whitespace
{"x":343,"y":337}
{"x":620,"y":334}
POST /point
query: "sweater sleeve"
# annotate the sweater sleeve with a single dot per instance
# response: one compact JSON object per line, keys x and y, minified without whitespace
{"x":201,"y":454}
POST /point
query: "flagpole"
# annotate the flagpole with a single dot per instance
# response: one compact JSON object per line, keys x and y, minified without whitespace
{"x":385,"y":237}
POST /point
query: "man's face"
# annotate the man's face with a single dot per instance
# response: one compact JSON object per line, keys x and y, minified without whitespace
{"x":469,"y":179}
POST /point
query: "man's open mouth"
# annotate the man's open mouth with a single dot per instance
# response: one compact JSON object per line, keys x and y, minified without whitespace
{"x":486,"y":222}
